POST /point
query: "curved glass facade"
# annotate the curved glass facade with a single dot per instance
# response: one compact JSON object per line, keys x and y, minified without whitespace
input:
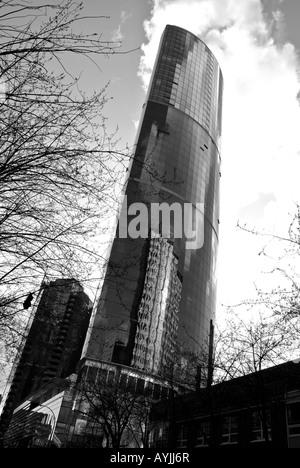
{"x":156,"y":291}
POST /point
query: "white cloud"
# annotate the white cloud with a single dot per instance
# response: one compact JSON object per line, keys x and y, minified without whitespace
{"x":199,"y":17}
{"x":261,"y":138}
{"x":135,"y":123}
{"x":117,"y":35}
{"x":125,"y":16}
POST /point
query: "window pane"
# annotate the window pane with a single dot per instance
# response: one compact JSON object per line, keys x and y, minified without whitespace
{"x":294,"y":413}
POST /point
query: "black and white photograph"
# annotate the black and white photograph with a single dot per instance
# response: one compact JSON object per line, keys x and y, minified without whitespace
{"x":150,"y":227}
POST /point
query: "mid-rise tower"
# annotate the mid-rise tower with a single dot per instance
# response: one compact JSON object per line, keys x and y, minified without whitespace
{"x":54,"y":343}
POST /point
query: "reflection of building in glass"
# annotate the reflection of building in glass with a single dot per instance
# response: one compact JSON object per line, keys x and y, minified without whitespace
{"x":177,"y":160}
{"x":159,"y":307}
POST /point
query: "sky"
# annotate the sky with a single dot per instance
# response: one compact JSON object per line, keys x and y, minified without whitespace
{"x":257,"y":45}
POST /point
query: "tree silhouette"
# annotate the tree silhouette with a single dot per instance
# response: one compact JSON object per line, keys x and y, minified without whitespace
{"x":58,"y":165}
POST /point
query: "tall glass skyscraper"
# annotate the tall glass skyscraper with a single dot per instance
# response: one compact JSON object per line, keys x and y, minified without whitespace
{"x":158,"y":292}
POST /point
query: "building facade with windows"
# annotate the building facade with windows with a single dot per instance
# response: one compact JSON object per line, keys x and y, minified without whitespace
{"x":257,"y":410}
{"x":45,"y":418}
{"x":54,"y":343}
{"x":158,"y":292}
